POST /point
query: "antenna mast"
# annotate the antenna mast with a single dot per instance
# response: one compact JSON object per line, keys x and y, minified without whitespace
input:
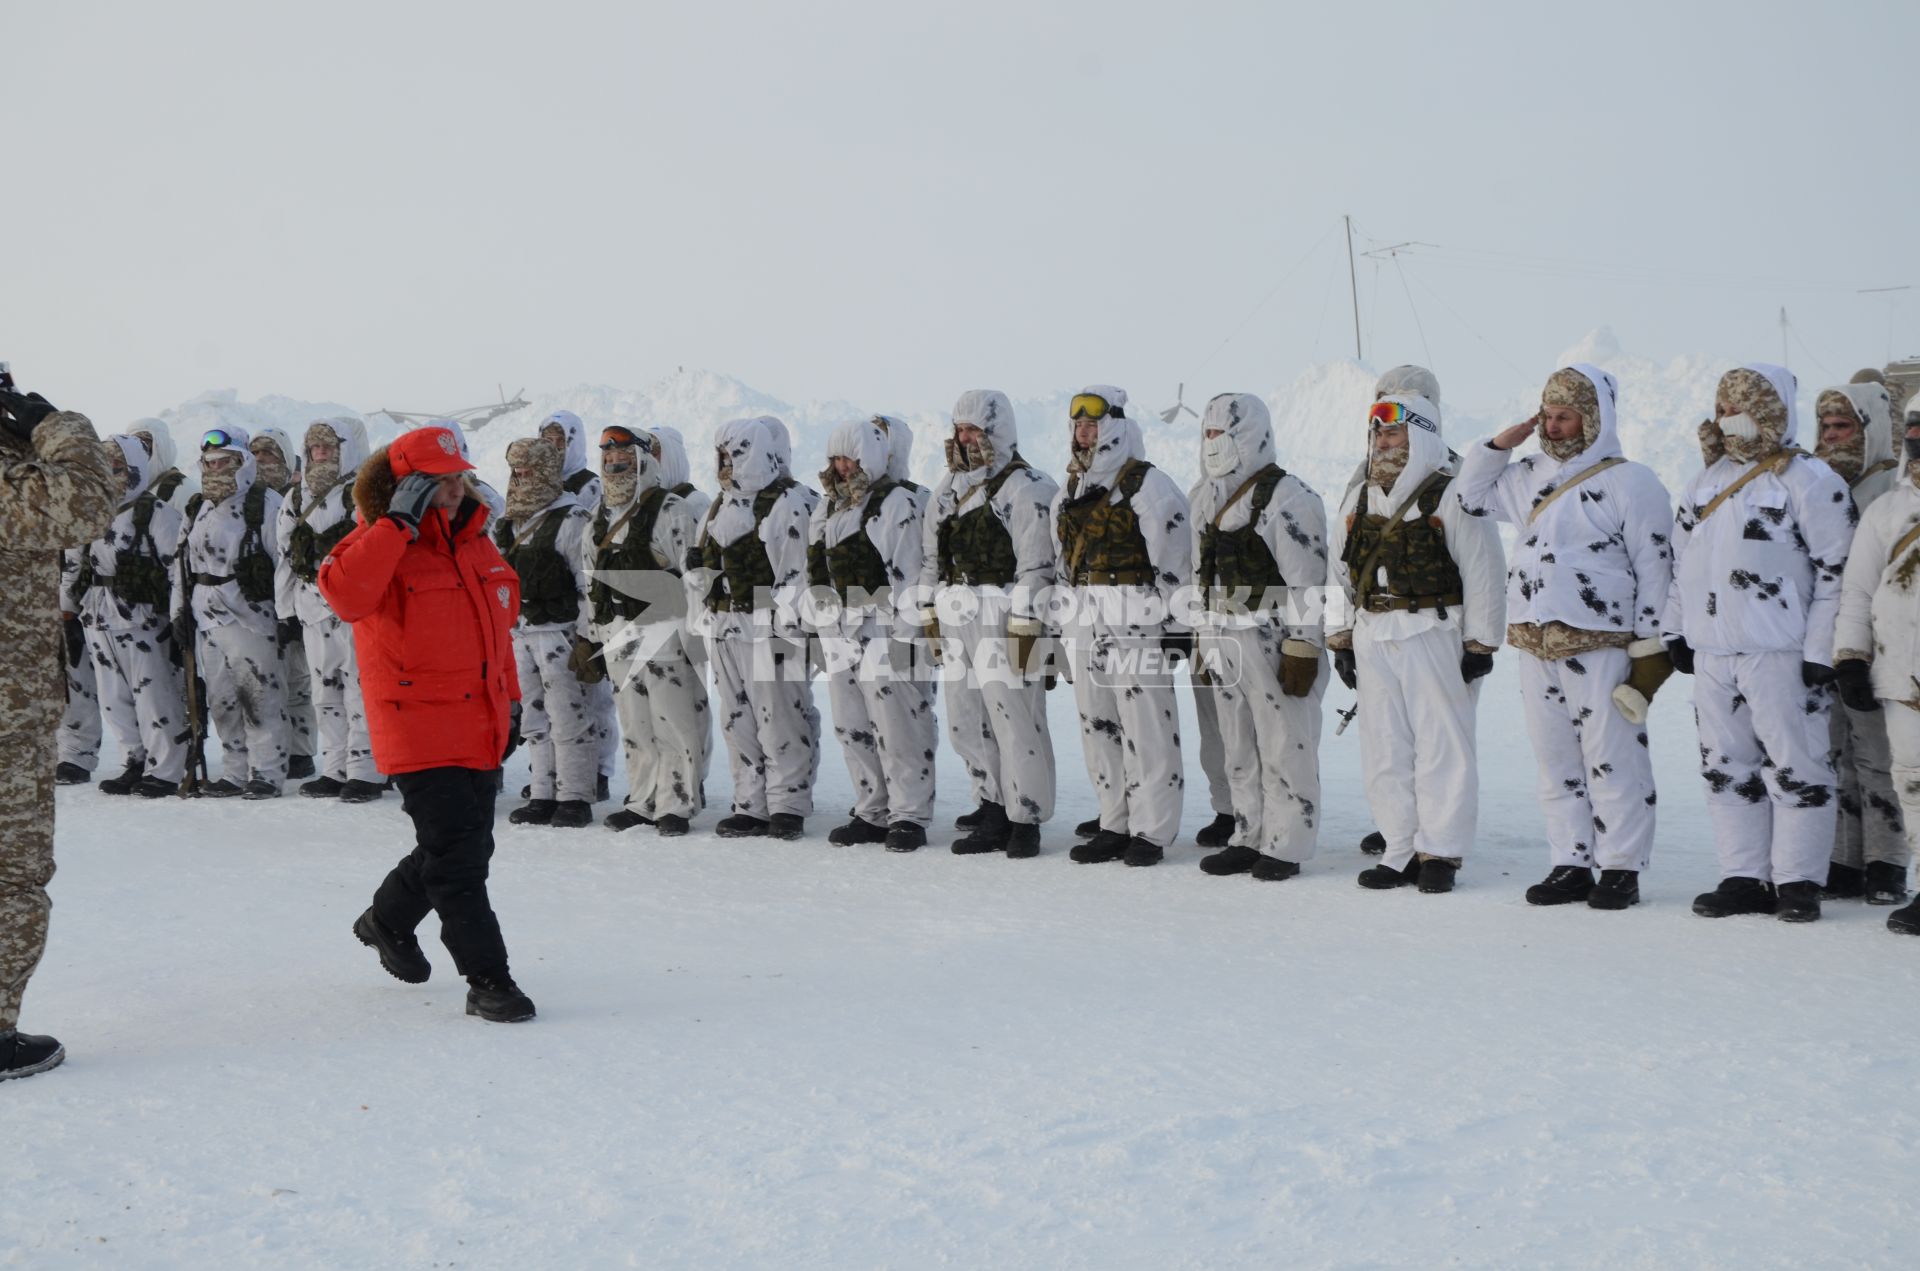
{"x":1353,"y":288}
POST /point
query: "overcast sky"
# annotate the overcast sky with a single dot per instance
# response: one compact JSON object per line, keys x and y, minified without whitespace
{"x":402,"y":204}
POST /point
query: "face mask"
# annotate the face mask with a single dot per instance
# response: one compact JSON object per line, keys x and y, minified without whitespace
{"x":1744,"y":439}
{"x":969,"y":458}
{"x":1848,"y":457}
{"x":1913,"y":449}
{"x":1221,"y":455}
{"x":271,"y":468}
{"x":1385,"y":467}
{"x":219,"y":486}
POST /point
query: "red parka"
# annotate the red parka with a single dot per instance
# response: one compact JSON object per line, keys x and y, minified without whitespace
{"x":432,"y":620}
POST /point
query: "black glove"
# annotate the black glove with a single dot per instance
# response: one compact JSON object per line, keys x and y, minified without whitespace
{"x":22,"y":413}
{"x":1813,"y":675}
{"x":411,"y":499}
{"x":1343,"y":666}
{"x":76,"y":640}
{"x":1856,"y":685}
{"x":1177,"y":645}
{"x":513,"y":731}
{"x":182,"y":637}
{"x":1474,"y":665}
{"x":287,"y":633}
{"x":1682,"y":654}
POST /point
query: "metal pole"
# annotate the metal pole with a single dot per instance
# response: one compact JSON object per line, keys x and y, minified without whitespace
{"x":1353,"y":289}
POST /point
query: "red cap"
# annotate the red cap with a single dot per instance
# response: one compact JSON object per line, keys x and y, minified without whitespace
{"x":434,"y":451}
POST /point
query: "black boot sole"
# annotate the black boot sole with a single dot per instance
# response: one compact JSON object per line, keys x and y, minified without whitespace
{"x":372,"y":941}
{"x":58,"y":1057}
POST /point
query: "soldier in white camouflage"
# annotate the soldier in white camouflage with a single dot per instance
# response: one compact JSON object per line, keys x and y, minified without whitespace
{"x":56,"y":493}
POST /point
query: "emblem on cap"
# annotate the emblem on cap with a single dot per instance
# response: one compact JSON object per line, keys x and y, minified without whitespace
{"x":446,"y":441}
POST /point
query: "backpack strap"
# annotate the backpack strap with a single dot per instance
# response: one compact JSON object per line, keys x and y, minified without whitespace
{"x":1773,"y":463}
{"x":1612,"y":461}
{"x":1272,"y":470}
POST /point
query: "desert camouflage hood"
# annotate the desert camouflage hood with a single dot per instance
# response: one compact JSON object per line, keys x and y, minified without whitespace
{"x":350,"y":436}
{"x":1594,"y":393}
{"x":536,"y":477}
{"x":569,"y":423}
{"x":1867,"y":402}
{"x":281,"y":471}
{"x":622,"y":488}
{"x":1764,"y":394}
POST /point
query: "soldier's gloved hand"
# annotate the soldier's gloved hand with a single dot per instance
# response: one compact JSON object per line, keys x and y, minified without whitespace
{"x":21,"y":413}
{"x":182,"y":638}
{"x":1345,"y":668}
{"x":1814,"y":675}
{"x":1299,"y":667}
{"x":287,"y":633}
{"x":930,"y":628}
{"x":1682,"y":654}
{"x":1650,"y":667}
{"x":1022,"y":635}
{"x":513,"y":731}
{"x":1177,"y":645}
{"x":587,"y":661}
{"x":410,"y":501}
{"x":1473,"y":665}
{"x":1854,"y":679}
{"x":76,"y":640}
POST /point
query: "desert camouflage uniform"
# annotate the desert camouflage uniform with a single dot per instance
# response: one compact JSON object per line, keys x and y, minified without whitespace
{"x":56,"y":494}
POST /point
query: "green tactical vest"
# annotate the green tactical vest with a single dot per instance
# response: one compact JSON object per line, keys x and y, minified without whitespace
{"x":854,"y":561}
{"x":742,"y":567}
{"x":634,"y":553}
{"x":1100,"y":540}
{"x":1234,"y":559}
{"x":138,"y":576}
{"x":578,"y":481}
{"x":1421,"y":573}
{"x":254,"y":568}
{"x":307,"y":547}
{"x":975,"y":549}
{"x":547,"y":591}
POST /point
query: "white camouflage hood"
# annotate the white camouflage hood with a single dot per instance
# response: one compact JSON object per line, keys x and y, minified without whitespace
{"x":1244,"y":418}
{"x":1426,"y":448}
{"x":139,"y":463}
{"x":674,"y":469}
{"x":164,"y":455}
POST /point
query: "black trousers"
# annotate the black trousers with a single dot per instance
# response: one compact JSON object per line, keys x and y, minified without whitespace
{"x":452,"y":811}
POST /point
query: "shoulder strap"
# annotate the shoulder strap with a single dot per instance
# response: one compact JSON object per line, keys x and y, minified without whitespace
{"x":1774,"y":463}
{"x":1612,"y":461}
{"x":1392,"y":527}
{"x":1906,"y":540}
{"x":875,"y":497}
{"x":168,"y":483}
{"x":1132,"y":475}
{"x":254,"y":506}
{"x":1271,"y":470}
{"x":528,"y":528}
{"x":651,"y":497}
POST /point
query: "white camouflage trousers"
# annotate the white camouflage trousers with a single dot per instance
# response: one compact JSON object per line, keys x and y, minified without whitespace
{"x":1271,"y":743}
{"x":1417,"y":743}
{"x":996,"y":720}
{"x":299,"y":710}
{"x":1596,"y":773}
{"x":1213,"y":749}
{"x":80,"y":724}
{"x":143,"y":697}
{"x":1763,"y":752}
{"x":1130,"y":731}
{"x":246,"y":701}
{"x":768,"y":720}
{"x":662,"y":706}
{"x":1868,"y":825}
{"x":557,"y":723}
{"x":340,"y":714}
{"x":884,"y":720}
{"x":1903,"y":745}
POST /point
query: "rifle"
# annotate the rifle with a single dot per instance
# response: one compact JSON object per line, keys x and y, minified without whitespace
{"x":193,"y":783}
{"x":1346,"y":717}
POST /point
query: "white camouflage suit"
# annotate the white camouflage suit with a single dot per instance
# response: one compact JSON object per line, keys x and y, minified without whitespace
{"x":1868,"y":825}
{"x":1417,"y":712}
{"x":294,"y":672}
{"x":344,"y":752}
{"x":1122,"y":682}
{"x":882,"y":712}
{"x":131,"y":644}
{"x":659,"y":695}
{"x":996,"y":719}
{"x":1270,"y":740}
{"x":760,"y":677}
{"x":233,"y":636}
{"x":1879,"y":623}
{"x":1596,"y":559}
{"x":1756,"y":589}
{"x":584,"y":484}
{"x":676,"y":474}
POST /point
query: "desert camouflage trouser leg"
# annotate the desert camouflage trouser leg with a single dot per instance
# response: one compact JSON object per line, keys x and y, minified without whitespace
{"x":26,"y":862}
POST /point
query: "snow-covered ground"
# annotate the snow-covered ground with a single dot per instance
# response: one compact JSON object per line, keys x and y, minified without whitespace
{"x":753,"y":1054}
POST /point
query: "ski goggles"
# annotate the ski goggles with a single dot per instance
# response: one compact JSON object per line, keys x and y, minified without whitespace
{"x":1089,"y":406}
{"x":617,"y":438}
{"x":217,"y":439}
{"x":1396,"y":415}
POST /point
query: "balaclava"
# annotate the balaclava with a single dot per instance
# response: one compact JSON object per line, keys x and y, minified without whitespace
{"x":1082,"y":460}
{"x":1569,"y":388}
{"x":270,"y":465}
{"x":535,"y":482}
{"x":1849,"y":457}
{"x":1385,"y":466}
{"x":1752,"y":419}
{"x":623,"y":469}
{"x":321,"y":476}
{"x":219,"y":486}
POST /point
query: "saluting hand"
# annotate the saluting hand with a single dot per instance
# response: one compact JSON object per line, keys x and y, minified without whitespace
{"x":1508,"y":438}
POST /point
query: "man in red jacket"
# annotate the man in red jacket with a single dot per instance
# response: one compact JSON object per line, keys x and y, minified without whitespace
{"x":432,"y":606}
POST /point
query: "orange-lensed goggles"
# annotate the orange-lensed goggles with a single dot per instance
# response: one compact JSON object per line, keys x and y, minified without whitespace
{"x":1089,"y":406}
{"x":615,"y":437}
{"x":1388,"y":415}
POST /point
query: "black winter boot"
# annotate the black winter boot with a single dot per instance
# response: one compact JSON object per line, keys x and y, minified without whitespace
{"x":670,"y":826}
{"x":1736,"y":895}
{"x":990,"y":835}
{"x":785,"y":825}
{"x":1231,"y":860}
{"x":261,"y":788}
{"x":1905,"y":920}
{"x":357,"y":791}
{"x":72,"y":774}
{"x":126,"y":781}
{"x":1563,"y":885}
{"x":1102,"y":847}
{"x":856,"y":831}
{"x":533,"y":812}
{"x":600,"y":792}
{"x":741,"y":826}
{"x":1436,"y":874}
{"x":1845,"y":882}
{"x":24,"y":1054}
{"x":400,"y":955}
{"x":905,"y":836}
{"x":1087,"y":829}
{"x":974,"y":819}
{"x":1374,"y":843}
{"x":1023,"y":840}
{"x":221,"y":789}
{"x":1271,"y":869}
{"x":1141,"y":852}
{"x":1798,"y":902}
{"x":1617,"y":889}
{"x":497,"y":999}
{"x":155,"y":788}
{"x":1886,"y":883}
{"x":322,"y":788}
{"x":1216,"y":832}
{"x":1384,"y":877}
{"x":571,"y":814}
{"x":299,"y":766}
{"x":625,"y":819}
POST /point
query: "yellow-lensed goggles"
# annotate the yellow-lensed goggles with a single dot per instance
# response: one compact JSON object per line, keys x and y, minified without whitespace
{"x":1089,"y":406}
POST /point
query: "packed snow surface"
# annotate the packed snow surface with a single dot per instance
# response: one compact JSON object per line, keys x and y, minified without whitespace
{"x":759,"y":1054}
